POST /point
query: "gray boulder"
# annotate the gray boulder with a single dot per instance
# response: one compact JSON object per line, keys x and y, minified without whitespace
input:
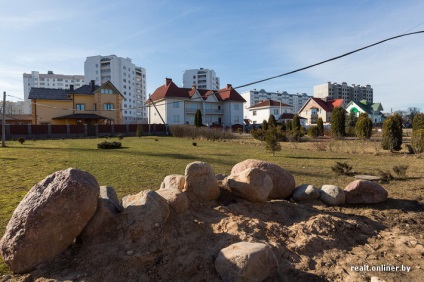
{"x":305,"y":192}
{"x":365,"y":192}
{"x":246,"y":262}
{"x":251,"y":184}
{"x":332,"y":195}
{"x":283,"y":181}
{"x":51,"y":215}
{"x":201,"y":181}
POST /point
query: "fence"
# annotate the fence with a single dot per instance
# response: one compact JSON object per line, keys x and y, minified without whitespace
{"x":48,"y":131}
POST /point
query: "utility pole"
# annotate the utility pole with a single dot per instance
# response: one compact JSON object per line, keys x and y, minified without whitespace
{"x":3,"y":122}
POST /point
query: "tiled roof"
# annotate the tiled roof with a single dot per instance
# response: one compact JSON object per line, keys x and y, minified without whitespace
{"x":269,"y":103}
{"x":329,"y":105}
{"x":85,"y":89}
{"x":48,"y":94}
{"x":171,"y":90}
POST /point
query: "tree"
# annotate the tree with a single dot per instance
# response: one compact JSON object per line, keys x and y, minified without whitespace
{"x":139,"y":130}
{"x":320,"y":125}
{"x":271,"y":121}
{"x":296,"y":133}
{"x":264,"y":125}
{"x":351,"y":121}
{"x":272,"y":138}
{"x":418,"y":122}
{"x":288,"y":125}
{"x":392,"y":133}
{"x":412,"y":112}
{"x":363,"y":127}
{"x":198,"y":118}
{"x":338,"y":121}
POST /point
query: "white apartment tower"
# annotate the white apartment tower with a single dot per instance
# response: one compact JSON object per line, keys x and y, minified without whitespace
{"x":253,"y":97}
{"x":128,"y":78}
{"x":201,"y":78}
{"x":343,"y":91}
{"x":48,"y":80}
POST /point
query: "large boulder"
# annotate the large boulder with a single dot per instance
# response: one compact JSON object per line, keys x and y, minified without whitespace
{"x":101,"y":225}
{"x":365,"y":192}
{"x":251,"y":184}
{"x":246,"y":262}
{"x":173,"y":181}
{"x":143,"y":212}
{"x":332,"y":195}
{"x":305,"y":192}
{"x":201,"y":181}
{"x":283,"y":181}
{"x":176,"y":199}
{"x":51,"y":215}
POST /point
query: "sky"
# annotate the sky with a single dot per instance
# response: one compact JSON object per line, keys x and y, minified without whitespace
{"x":241,"y":40}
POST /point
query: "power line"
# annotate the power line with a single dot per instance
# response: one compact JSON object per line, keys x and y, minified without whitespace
{"x":332,"y":59}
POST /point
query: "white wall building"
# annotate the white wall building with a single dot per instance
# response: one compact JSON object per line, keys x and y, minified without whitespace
{"x":128,"y":78}
{"x":253,"y":97}
{"x":201,"y":78}
{"x":256,"y":114}
{"x":355,"y":92}
{"x":178,"y":105}
{"x":48,"y":80}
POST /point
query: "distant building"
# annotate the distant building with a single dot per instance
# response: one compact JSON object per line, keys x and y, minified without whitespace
{"x":317,"y":108}
{"x":261,"y":111}
{"x":355,"y":92}
{"x":201,"y":78}
{"x":48,"y":80}
{"x":373,"y":110}
{"x":254,"y":97}
{"x":179,"y":105}
{"x":128,"y":78}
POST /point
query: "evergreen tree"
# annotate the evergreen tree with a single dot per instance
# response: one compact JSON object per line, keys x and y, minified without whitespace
{"x":296,"y":132}
{"x":271,"y":121}
{"x":264,"y":125}
{"x":392,"y":133}
{"x":351,"y":121}
{"x":338,"y":120}
{"x":418,"y":122}
{"x":320,"y":125}
{"x":198,"y":119}
{"x":272,"y":138}
{"x":288,"y":125}
{"x":363,"y":128}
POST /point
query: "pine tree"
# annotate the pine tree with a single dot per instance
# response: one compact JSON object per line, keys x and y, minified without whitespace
{"x":338,"y":120}
{"x":392,"y":133}
{"x":296,"y":132}
{"x":272,"y":138}
{"x":271,"y":121}
{"x":198,"y":118}
{"x":320,"y":125}
{"x":351,"y":121}
{"x":363,"y":128}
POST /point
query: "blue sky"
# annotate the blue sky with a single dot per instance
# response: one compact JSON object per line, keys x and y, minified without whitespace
{"x":243,"y":41}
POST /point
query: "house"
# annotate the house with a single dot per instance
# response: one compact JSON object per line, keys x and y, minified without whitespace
{"x":373,"y":110}
{"x":171,"y":104}
{"x":89,"y":104}
{"x":261,"y":111}
{"x":316,"y":108}
{"x":287,"y":116}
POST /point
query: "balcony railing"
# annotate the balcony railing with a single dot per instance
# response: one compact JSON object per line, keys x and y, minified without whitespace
{"x":206,"y":111}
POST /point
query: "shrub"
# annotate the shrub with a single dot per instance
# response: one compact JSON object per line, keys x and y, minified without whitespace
{"x":194,"y":144}
{"x":392,"y":133}
{"x":400,"y":170}
{"x":264,"y":125}
{"x":109,"y":145}
{"x":363,"y":127}
{"x":239,"y":130}
{"x":192,"y":132}
{"x":313,"y":131}
{"x":320,"y":125}
{"x":120,"y":136}
{"x":272,"y":137}
{"x":258,"y":134}
{"x":139,"y":130}
{"x":338,"y":120}
{"x":21,"y":140}
{"x":417,"y":141}
{"x":342,"y":168}
{"x":320,"y":146}
{"x":198,"y":119}
{"x":296,"y":132}
{"x":385,"y":176}
{"x":288,"y":124}
{"x":156,"y":139}
{"x":418,"y":122}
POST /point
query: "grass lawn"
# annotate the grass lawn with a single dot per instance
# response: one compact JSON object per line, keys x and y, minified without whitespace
{"x":144,"y":162}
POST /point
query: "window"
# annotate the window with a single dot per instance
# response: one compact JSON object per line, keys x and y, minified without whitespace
{"x":108,"y":107}
{"x":176,"y":118}
{"x":95,"y":106}
{"x":254,"y":113}
{"x":175,"y":104}
{"x":275,"y":112}
{"x":80,"y":107}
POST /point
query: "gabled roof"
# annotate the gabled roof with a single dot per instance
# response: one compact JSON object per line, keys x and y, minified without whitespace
{"x":367,"y":107}
{"x":327,"y":106}
{"x":171,"y":90}
{"x":269,"y":103}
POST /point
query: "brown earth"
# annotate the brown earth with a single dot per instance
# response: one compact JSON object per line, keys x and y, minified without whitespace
{"x":312,"y":242}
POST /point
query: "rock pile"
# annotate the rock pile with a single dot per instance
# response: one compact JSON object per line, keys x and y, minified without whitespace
{"x":68,"y":208}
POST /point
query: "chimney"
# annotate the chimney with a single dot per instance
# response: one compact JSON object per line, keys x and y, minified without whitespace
{"x":193,"y":86}
{"x":168,"y":81}
{"x":92,"y":85}
{"x":229,"y":86}
{"x":71,"y":87}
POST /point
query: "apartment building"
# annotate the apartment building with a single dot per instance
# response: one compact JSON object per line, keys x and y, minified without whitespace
{"x":48,"y":80}
{"x":348,"y":93}
{"x":128,"y":78}
{"x":201,"y":78}
{"x":254,"y":97}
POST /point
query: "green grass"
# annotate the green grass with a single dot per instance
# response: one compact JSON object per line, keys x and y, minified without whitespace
{"x":144,"y":162}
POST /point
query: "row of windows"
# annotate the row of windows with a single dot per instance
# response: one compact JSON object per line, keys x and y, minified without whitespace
{"x":106,"y":106}
{"x":106,"y":91}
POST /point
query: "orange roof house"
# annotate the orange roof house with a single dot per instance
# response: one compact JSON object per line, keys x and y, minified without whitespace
{"x":316,"y":108}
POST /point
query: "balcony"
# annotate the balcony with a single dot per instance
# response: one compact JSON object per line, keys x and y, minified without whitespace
{"x":214,"y":112}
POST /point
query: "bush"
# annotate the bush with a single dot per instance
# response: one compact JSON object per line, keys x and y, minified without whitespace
{"x":272,"y":138}
{"x":392,"y":133}
{"x":320,"y":125}
{"x":258,"y":134}
{"x":418,"y":122}
{"x":192,"y":132}
{"x":313,"y":131}
{"x":271,"y":121}
{"x":288,"y":124}
{"x":417,"y":141}
{"x":264,"y":125}
{"x":239,"y":131}
{"x":21,"y":140}
{"x":385,"y":176}
{"x":194,"y":144}
{"x":342,"y":168}
{"x":198,"y":118}
{"x":338,"y":120}
{"x":363,"y":127}
{"x":400,"y":171}
{"x":296,"y":132}
{"x":120,"y":136}
{"x":109,"y":145}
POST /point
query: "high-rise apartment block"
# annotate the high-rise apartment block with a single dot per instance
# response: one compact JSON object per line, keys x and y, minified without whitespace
{"x":201,"y":78}
{"x":332,"y":91}
{"x":253,"y":97}
{"x":128,"y":78}
{"x":48,"y":80}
